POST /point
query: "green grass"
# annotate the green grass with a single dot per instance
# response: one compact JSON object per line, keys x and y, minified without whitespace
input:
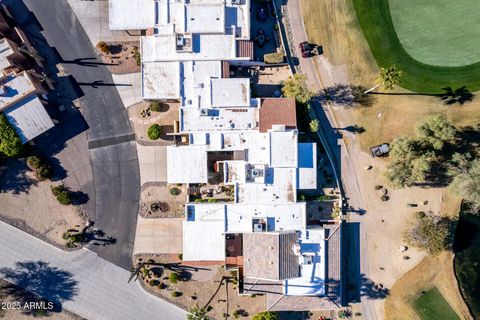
{"x":375,"y":20}
{"x":438,"y":32}
{"x":431,"y":305}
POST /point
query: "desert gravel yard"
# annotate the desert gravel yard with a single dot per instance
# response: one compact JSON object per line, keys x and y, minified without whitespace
{"x":31,"y":206}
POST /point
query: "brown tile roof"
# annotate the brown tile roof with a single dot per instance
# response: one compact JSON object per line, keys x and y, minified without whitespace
{"x":268,"y":255}
{"x":245,"y":49}
{"x":277,"y":111}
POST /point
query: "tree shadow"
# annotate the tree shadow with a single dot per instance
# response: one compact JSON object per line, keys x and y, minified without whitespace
{"x":14,"y":177}
{"x":88,"y":62}
{"x":98,"y":238}
{"x":42,"y":279}
{"x":355,"y":129}
{"x":449,"y":97}
{"x":346,"y":95}
{"x":460,"y":95}
{"x":79,"y":197}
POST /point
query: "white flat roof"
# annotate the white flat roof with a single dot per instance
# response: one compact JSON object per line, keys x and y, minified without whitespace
{"x":5,"y":51}
{"x":205,"y":18}
{"x":161,"y":80}
{"x":29,"y":118}
{"x":237,"y":217}
{"x":204,"y":241}
{"x":206,"y":119}
{"x":279,"y":187}
{"x":204,"y":47}
{"x":15,"y":87}
{"x":131,"y":14}
{"x":187,"y":164}
{"x":312,"y":279}
{"x":231,"y":92}
{"x":307,"y":166}
{"x":283,"y":148}
{"x":196,"y":84}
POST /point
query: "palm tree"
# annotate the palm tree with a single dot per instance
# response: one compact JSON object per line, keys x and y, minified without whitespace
{"x":197,"y":313}
{"x":135,"y":272}
{"x":388,"y":78}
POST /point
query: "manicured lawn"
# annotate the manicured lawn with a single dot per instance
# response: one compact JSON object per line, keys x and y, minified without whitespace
{"x":432,"y":306}
{"x":375,"y":20}
{"x":438,"y":32}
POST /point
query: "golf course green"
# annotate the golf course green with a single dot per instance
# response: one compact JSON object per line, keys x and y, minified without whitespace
{"x":434,"y":42}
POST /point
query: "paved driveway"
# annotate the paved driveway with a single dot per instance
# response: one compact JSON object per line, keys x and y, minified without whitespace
{"x":82,"y":281}
{"x":112,"y":177}
{"x":159,"y":235}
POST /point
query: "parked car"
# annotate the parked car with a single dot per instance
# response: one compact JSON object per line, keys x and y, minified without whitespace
{"x":305,"y":49}
{"x":262,"y":14}
{"x":381,"y":150}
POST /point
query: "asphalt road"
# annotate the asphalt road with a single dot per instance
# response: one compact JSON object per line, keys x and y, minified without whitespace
{"x":110,"y":173}
{"x":80,"y":281}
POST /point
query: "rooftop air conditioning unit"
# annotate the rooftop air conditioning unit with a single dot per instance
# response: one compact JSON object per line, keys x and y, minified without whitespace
{"x":180,"y":40}
{"x":257,"y":227}
{"x":204,"y":112}
{"x":257,"y":173}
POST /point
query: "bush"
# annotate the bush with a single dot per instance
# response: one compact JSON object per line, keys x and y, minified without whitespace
{"x":174,"y":191}
{"x":154,"y":132}
{"x":314,"y":125}
{"x":34,"y":162}
{"x":41,"y":169}
{"x":137,"y":56}
{"x":173,"y":277}
{"x":180,"y":256}
{"x":153,"y":282}
{"x":324,"y":197}
{"x":272,"y":58}
{"x":10,"y":143}
{"x":267,"y":315}
{"x":103,"y":46}
{"x":161,"y":286}
{"x":155,"y":106}
{"x":62,"y":194}
{"x":378,"y":187}
{"x":176,"y":294}
{"x":212,"y":200}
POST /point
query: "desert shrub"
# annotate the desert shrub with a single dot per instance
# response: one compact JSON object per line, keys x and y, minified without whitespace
{"x":174,"y":191}
{"x":173,"y":277}
{"x":62,"y":194}
{"x":34,"y":162}
{"x":176,"y":294}
{"x":137,"y":56}
{"x":153,"y":282}
{"x":155,"y":106}
{"x":103,"y":46}
{"x":276,"y":57}
{"x":154,"y":132}
{"x":161,"y":286}
{"x":40,"y":168}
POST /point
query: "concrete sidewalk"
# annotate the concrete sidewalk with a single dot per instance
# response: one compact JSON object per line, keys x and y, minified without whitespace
{"x":100,"y":289}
